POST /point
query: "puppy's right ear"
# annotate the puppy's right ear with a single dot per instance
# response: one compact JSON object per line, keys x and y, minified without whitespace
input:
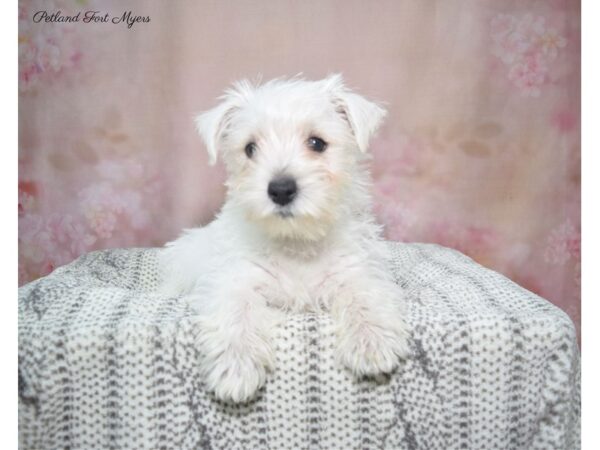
{"x":212,"y":126}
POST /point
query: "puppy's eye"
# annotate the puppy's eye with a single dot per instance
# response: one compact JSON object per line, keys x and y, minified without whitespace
{"x":316,"y":144}
{"x":250,"y":149}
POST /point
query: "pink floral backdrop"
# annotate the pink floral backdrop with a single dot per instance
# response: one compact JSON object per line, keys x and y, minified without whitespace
{"x":480,"y":152}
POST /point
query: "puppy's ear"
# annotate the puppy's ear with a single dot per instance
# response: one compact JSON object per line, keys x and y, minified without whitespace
{"x":212,"y":125}
{"x":363,"y":116}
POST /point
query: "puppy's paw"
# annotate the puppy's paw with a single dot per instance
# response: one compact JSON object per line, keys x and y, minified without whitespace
{"x":368,"y":348}
{"x":234,"y":378}
{"x":235,"y":371}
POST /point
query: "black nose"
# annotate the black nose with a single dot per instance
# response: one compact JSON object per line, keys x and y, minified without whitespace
{"x":282,"y":190}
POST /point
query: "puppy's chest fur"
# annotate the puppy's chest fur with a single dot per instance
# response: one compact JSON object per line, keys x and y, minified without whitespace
{"x":303,"y":284}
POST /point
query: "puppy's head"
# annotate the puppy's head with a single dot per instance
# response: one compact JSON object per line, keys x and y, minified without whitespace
{"x":291,"y":148}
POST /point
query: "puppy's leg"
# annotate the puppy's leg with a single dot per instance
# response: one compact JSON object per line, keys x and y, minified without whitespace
{"x":234,"y":337}
{"x":183,"y":261}
{"x":371,"y":330}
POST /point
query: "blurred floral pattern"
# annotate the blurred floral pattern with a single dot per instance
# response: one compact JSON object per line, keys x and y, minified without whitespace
{"x":481,"y":150}
{"x":45,"y":53}
{"x":527,"y":46}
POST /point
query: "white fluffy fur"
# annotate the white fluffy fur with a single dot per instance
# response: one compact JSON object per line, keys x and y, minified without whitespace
{"x":323,"y":252}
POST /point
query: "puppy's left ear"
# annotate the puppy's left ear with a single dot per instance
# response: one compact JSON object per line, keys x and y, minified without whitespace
{"x":363,"y":116}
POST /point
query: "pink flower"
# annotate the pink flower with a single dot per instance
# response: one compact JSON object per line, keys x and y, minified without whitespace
{"x":44,"y":51}
{"x":565,"y":121}
{"x":35,"y":240}
{"x":101,"y":205}
{"x":49,"y":58}
{"x":135,"y":211}
{"x":101,"y":220}
{"x":528,"y":75}
{"x":526,"y":46}
{"x":50,"y":242}
{"x":550,"y":42}
{"x":501,"y":26}
{"x":511,"y":46}
{"x":28,"y":190}
{"x":70,"y":234}
{"x":529,"y":25}
{"x":513,"y":38}
{"x":26,"y":202}
{"x":563,"y":244}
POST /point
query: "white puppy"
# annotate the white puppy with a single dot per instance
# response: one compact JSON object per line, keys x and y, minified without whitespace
{"x":296,"y":234}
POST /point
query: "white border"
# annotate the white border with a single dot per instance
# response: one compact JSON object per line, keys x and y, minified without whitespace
{"x":590,"y":202}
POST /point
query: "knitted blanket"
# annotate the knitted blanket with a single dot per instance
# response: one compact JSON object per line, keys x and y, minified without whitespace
{"x":104,"y":362}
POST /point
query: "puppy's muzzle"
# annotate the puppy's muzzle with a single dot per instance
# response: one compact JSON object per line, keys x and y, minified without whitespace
{"x":282,"y":190}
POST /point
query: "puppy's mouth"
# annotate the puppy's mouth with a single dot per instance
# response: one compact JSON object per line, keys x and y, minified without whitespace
{"x":284,"y":213}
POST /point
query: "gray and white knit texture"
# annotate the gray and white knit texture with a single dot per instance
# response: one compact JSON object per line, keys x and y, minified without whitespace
{"x":104,"y":362}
